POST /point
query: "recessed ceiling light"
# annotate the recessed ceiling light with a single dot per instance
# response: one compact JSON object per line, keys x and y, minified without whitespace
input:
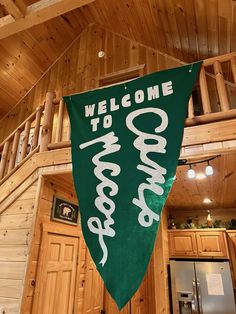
{"x":200,"y":176}
{"x":207,"y":200}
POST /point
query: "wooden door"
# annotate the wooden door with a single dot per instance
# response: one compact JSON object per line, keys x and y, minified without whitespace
{"x":182,"y":244}
{"x":56,"y":277}
{"x":211,"y":244}
{"x":94,"y":289}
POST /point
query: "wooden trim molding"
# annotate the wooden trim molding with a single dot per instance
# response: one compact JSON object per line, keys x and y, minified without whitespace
{"x":121,"y":76}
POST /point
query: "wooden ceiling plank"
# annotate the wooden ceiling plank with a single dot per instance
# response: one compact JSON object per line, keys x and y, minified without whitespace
{"x":212,"y":27}
{"x":201,"y":22}
{"x":163,"y":24}
{"x":15,"y":8}
{"x":180,"y":15}
{"x":38,"y":13}
{"x":169,"y":9}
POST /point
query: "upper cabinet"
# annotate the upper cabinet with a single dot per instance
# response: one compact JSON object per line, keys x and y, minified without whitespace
{"x":211,"y":244}
{"x":198,"y":243}
{"x":182,"y":243}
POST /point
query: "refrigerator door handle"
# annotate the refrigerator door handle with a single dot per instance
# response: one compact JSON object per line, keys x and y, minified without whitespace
{"x":195,"y":301}
{"x":199,"y":297}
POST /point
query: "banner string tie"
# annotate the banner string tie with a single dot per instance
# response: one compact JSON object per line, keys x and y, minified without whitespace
{"x":190,"y":70}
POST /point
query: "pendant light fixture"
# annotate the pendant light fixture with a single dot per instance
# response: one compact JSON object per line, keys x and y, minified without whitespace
{"x":209,"y":169}
{"x":191,"y":172}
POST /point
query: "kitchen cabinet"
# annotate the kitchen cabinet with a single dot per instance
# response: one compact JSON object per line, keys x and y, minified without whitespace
{"x":198,"y":243}
{"x":182,"y":243}
{"x":211,"y":244}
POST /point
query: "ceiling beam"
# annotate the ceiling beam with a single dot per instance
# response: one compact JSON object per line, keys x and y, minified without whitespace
{"x":37,"y":13}
{"x":15,"y":8}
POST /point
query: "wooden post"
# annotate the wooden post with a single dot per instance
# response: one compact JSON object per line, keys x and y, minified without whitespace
{"x":25,"y":140}
{"x":69,"y":131}
{"x":190,"y":108}
{"x":4,"y":159}
{"x":233,"y":67}
{"x":37,"y":128}
{"x":47,"y":125}
{"x":60,"y":121}
{"x":14,"y":150}
{"x":221,"y":89}
{"x":204,"y":91}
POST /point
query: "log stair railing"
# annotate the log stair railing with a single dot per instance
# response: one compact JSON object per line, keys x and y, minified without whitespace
{"x":48,"y":127}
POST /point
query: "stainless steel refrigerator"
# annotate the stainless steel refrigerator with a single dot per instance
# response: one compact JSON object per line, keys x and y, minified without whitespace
{"x":201,"y":288}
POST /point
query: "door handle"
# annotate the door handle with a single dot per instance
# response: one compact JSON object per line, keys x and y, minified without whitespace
{"x":195,"y":300}
{"x":199,"y":296}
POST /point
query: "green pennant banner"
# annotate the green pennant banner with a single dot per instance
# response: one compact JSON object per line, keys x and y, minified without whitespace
{"x":126,"y":141}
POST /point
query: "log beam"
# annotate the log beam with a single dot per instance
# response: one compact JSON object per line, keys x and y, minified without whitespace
{"x":35,"y":14}
{"x":15,"y":8}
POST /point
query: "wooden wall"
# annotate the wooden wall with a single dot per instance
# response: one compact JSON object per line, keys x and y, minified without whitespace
{"x":80,"y":68}
{"x":15,"y":234}
{"x":144,"y":300}
{"x":48,"y":190}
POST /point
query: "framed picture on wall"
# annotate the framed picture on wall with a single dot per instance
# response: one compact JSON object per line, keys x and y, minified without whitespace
{"x":64,"y":211}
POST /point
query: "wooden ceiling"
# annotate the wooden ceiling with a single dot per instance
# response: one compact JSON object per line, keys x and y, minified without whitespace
{"x":188,"y":194}
{"x":219,"y":188}
{"x":186,"y":29}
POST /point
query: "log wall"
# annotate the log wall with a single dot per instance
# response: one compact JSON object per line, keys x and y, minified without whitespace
{"x":79,"y":69}
{"x":16,"y":222}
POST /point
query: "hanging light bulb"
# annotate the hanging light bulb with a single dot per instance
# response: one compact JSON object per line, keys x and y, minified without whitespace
{"x":191,"y":173}
{"x":209,"y":170}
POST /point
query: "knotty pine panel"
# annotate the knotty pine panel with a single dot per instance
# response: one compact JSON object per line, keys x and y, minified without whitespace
{"x":79,"y":69}
{"x":15,"y":233}
{"x":48,"y":190}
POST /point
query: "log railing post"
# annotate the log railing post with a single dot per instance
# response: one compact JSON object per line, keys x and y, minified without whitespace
{"x":204,"y":91}
{"x":14,"y":150}
{"x":233,"y":67}
{"x":4,"y":159}
{"x":37,"y":128}
{"x":221,"y":89}
{"x":60,"y":121}
{"x":25,"y":140}
{"x":190,"y":108}
{"x":47,"y":122}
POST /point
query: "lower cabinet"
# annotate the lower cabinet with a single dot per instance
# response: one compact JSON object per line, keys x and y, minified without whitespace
{"x":198,"y":243}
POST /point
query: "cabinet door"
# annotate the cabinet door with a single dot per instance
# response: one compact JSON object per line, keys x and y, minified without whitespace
{"x":182,"y":244}
{"x":211,"y":244}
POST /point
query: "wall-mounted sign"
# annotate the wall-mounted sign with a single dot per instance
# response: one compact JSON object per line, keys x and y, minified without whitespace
{"x":64,"y":211}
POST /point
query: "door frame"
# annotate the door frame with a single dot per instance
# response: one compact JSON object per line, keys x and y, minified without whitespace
{"x":64,"y":230}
